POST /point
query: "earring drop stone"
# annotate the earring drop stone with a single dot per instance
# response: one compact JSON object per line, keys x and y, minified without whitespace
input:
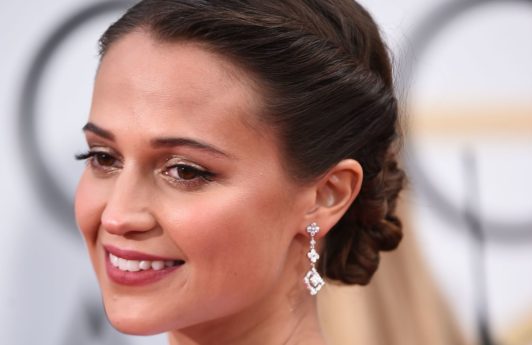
{"x":313,"y":280}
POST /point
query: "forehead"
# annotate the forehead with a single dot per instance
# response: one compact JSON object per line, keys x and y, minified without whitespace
{"x":178,"y":83}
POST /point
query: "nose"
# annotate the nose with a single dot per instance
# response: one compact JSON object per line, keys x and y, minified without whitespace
{"x":128,"y":210}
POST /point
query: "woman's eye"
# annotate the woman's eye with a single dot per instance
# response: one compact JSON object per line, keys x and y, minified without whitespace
{"x":183,"y":172}
{"x":97,"y":159}
{"x":186,"y":173}
{"x":104,"y":159}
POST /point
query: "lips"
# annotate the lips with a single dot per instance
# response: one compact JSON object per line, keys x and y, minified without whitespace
{"x":127,"y":267}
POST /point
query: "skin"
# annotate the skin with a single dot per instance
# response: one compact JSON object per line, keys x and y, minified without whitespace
{"x":240,"y":230}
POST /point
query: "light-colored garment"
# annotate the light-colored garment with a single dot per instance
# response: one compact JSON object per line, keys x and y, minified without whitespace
{"x":401,"y":305}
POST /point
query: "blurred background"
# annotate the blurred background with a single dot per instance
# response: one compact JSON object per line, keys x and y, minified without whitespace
{"x":467,"y":67}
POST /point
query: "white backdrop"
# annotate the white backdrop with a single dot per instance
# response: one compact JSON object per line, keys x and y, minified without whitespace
{"x":470,"y":91}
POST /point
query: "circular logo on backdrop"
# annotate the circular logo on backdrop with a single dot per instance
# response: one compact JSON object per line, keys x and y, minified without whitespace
{"x":432,"y":25}
{"x":90,"y":325}
{"x":49,"y":189}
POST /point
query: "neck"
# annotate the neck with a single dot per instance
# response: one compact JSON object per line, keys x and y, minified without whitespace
{"x":286,"y":327}
{"x":287,"y":316}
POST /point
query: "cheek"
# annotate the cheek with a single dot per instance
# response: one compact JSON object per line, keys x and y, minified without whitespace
{"x":89,"y":205}
{"x":237,"y":236}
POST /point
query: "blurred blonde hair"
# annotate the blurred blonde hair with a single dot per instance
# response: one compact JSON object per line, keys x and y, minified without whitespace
{"x":401,"y":305}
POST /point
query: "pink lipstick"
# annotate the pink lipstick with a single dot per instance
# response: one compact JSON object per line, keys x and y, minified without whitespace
{"x":133,"y":268}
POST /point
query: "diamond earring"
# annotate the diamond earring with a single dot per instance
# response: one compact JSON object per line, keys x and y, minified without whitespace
{"x":313,"y":280}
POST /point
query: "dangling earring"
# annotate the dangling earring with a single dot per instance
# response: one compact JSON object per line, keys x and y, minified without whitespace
{"x":313,"y":279}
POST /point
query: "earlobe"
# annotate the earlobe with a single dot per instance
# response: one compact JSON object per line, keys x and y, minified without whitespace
{"x":335,"y":193}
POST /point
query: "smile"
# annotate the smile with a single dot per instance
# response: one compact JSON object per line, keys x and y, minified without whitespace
{"x":126,"y":267}
{"x":143,"y":265}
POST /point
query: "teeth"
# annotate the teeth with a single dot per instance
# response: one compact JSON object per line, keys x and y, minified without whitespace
{"x":114,"y":260}
{"x":133,"y":266}
{"x":157,"y":265}
{"x":136,"y":265}
{"x":122,"y":264}
{"x":145,"y":265}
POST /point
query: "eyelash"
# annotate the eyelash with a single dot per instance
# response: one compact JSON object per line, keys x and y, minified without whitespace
{"x":94,"y":158}
{"x":200,"y":177}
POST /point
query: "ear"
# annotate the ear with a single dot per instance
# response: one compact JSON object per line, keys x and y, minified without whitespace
{"x":333,"y":194}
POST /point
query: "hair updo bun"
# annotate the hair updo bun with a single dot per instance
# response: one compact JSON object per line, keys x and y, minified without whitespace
{"x":351,"y":253}
{"x":327,"y":85}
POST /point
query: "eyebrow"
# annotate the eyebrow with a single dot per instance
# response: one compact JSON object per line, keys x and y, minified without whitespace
{"x":91,"y":127}
{"x":160,"y":142}
{"x":187,"y":142}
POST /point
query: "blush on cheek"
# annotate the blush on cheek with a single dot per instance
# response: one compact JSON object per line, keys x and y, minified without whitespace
{"x":229,"y":238}
{"x":88,"y":208}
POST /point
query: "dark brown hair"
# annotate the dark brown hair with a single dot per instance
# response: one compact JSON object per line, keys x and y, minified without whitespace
{"x":328,"y":93}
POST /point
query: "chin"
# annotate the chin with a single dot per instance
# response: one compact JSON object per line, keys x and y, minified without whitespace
{"x":134,"y":323}
{"x":134,"y":326}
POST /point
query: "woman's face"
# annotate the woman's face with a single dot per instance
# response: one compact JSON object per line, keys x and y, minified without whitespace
{"x":184,"y":189}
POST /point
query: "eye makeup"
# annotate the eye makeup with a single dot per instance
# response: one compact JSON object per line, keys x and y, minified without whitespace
{"x":176,"y":171}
